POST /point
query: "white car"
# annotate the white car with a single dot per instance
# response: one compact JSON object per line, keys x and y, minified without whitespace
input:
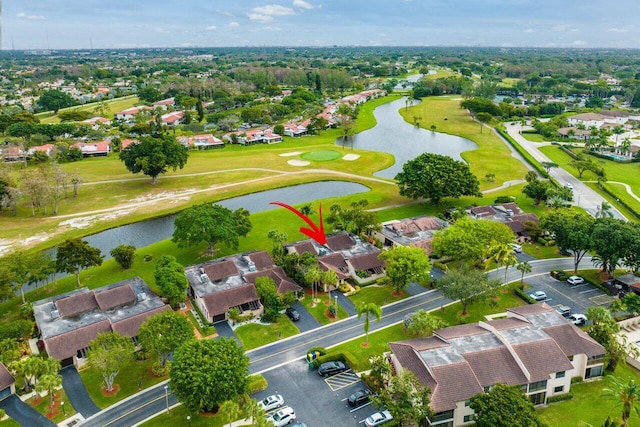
{"x":569,"y":185}
{"x":516,"y":247}
{"x":575,"y":280}
{"x":282,"y":417}
{"x":578,"y":319}
{"x":538,"y":295}
{"x":271,"y":402}
{"x":378,"y":418}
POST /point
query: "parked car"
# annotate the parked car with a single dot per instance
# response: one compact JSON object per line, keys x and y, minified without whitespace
{"x":360,"y":397}
{"x":271,"y":402}
{"x":283,"y":417}
{"x":538,"y":295}
{"x":516,"y":247}
{"x":564,"y":310}
{"x":292,"y":314}
{"x":298,"y":425}
{"x":378,"y":418}
{"x":331,"y":368}
{"x":575,"y":280}
{"x":578,"y":319}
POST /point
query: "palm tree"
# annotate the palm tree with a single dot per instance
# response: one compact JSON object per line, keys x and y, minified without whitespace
{"x":306,"y":209}
{"x":330,"y":277}
{"x":313,"y":276}
{"x":627,"y":393}
{"x":524,"y":268}
{"x":49,"y":383}
{"x":501,"y":254}
{"x":605,"y":210}
{"x":231,"y":411}
{"x":624,"y":147}
{"x":617,"y":131}
{"x":368,"y":309}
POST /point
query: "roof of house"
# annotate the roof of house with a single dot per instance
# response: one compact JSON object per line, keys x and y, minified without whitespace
{"x":366,"y":261}
{"x":305,"y":246}
{"x":220,"y":302}
{"x":261,"y":259}
{"x":130,"y":326}
{"x":283,"y":282}
{"x":76,"y":304}
{"x":66,"y":345}
{"x":483,"y":211}
{"x":588,"y":116}
{"x":340,"y":241}
{"x":112,"y":297}
{"x":6,"y":379}
{"x":336,"y":262}
{"x":219,"y":270}
{"x":530,"y":345}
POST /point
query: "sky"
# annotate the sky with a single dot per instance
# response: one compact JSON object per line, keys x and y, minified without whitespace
{"x":84,"y":24}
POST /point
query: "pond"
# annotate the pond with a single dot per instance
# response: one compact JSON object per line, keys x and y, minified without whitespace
{"x":395,"y":136}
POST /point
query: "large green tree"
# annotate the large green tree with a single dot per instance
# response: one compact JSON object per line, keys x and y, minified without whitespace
{"x":211,"y":224}
{"x":469,"y":239}
{"x":405,"y":398}
{"x":74,"y":255}
{"x":611,"y":239}
{"x":467,"y":285}
{"x":354,"y":219}
{"x":109,"y":353}
{"x":163,"y":333}
{"x":204,"y":374}
{"x":171,"y":280}
{"x":421,"y":323}
{"x":433,"y":176}
{"x":154,"y":156}
{"x":55,"y":100}
{"x":404,"y":264}
{"x":572,"y":232}
{"x":504,"y":406}
{"x":605,"y":331}
{"x":124,"y":255}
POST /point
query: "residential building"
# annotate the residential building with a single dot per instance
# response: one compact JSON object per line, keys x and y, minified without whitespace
{"x":416,"y":232}
{"x":201,"y":142}
{"x":509,"y":214}
{"x":164,"y":103}
{"x":7,"y":383}
{"x":129,"y":114}
{"x":534,"y":347}
{"x":68,"y":322}
{"x":93,"y":149}
{"x":97,"y":122}
{"x":219,"y":285}
{"x":172,"y":119}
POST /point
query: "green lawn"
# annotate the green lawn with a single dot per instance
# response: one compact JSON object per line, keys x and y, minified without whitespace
{"x":255,"y":335}
{"x":380,"y":295}
{"x":9,"y":422}
{"x":533,"y":137}
{"x":127,"y":381}
{"x":589,"y":406}
{"x":178,"y":417}
{"x":321,"y":155}
{"x":319,"y":309}
{"x":114,"y":106}
{"x":42,"y":405}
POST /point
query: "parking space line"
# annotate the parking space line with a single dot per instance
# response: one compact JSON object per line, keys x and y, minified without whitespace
{"x":342,"y":380}
{"x":590,"y":290}
{"x":360,"y":407}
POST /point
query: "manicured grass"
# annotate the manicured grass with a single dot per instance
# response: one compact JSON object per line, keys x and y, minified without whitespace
{"x":320,"y":307}
{"x":41,"y":404}
{"x":533,"y":137}
{"x":539,"y":251}
{"x":491,"y":156}
{"x":380,"y":295}
{"x":9,"y":422}
{"x":589,"y":406}
{"x":378,"y":344}
{"x":321,"y":155}
{"x":114,"y":106}
{"x":255,"y":335}
{"x":178,"y":417}
{"x":127,"y":380}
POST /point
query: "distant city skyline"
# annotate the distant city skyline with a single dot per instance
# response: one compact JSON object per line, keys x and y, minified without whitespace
{"x":85,"y":24}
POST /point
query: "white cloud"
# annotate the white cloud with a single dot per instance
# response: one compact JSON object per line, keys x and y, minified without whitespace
{"x":233,"y":24}
{"x":617,"y":30}
{"x":268,"y":12}
{"x":574,"y":30}
{"x":528,"y":30}
{"x":211,"y":28}
{"x":32,"y":17}
{"x":579,"y":43}
{"x":560,"y":27}
{"x":302,"y":4}
{"x":260,"y":18}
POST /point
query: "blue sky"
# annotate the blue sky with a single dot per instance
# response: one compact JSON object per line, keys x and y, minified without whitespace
{"x":69,"y":24}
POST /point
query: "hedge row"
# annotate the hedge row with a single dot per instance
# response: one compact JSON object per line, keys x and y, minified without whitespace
{"x":522,"y":294}
{"x":524,"y":153}
{"x":257,"y":383}
{"x":559,"y":397}
{"x":610,"y":193}
{"x":344,"y":356}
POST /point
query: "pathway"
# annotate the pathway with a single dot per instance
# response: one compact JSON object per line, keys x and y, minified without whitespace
{"x":23,"y":413}
{"x":77,"y":392}
{"x":626,"y":187}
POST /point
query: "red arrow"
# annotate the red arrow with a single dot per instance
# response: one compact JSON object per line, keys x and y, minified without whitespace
{"x":316,"y":233}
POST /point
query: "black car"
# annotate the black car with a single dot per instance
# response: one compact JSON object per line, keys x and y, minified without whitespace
{"x":331,"y":368}
{"x":292,"y":314}
{"x":360,"y":397}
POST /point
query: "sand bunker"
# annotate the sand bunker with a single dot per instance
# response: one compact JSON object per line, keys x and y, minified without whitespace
{"x":351,"y":157}
{"x":298,"y":163}
{"x":294,"y":153}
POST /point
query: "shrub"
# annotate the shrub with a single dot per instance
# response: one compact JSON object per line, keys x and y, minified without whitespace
{"x":332,"y":309}
{"x":147,"y":258}
{"x":343,"y":288}
{"x":17,"y":329}
{"x":159,"y":370}
{"x":2,"y":413}
{"x":525,"y":297}
{"x":141,"y":354}
{"x":257,"y":383}
{"x":560,"y":397}
{"x":504,"y":199}
{"x":334,"y":357}
{"x":576,"y":380}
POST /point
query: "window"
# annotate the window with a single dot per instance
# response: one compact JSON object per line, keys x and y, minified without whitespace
{"x":487,"y":388}
{"x":594,"y":360}
{"x":467,"y":402}
{"x":558,"y":389}
{"x":468,"y":418}
{"x":560,"y":374}
{"x":538,"y":398}
{"x":571,"y":358}
{"x":82,"y":353}
{"x":441,"y":416}
{"x":538,"y":385}
{"x":594,"y":372}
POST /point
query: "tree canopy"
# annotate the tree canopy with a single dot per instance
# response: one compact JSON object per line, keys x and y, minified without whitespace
{"x":206,"y":373}
{"x":211,"y":224}
{"x":504,"y":406}
{"x":572,"y":232}
{"x":404,"y":264}
{"x":433,"y":176}
{"x":124,"y":255}
{"x":163,"y":333}
{"x":55,"y":100}
{"x":109,"y":353}
{"x":154,"y":156}
{"x":467,"y":285}
{"x":170,"y":277}
{"x":74,"y":255}
{"x":405,"y":398}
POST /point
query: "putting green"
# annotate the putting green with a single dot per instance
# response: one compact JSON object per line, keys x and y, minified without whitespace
{"x":321,"y":155}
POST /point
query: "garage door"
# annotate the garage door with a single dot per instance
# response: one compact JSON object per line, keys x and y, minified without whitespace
{"x":5,"y":393}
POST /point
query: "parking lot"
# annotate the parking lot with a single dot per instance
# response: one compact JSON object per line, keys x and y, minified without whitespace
{"x":317,"y":401}
{"x":578,"y":297}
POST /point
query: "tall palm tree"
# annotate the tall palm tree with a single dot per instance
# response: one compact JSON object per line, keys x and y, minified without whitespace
{"x":524,"y":268}
{"x":330,"y":277}
{"x":627,"y":393}
{"x":605,"y":210}
{"x":625,"y":145}
{"x":313,"y":276}
{"x":368,"y":308}
{"x":502,"y":255}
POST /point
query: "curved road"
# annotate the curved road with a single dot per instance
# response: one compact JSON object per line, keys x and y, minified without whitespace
{"x":153,"y":400}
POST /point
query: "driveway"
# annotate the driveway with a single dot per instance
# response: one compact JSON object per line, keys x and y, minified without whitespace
{"x":307,"y":322}
{"x":344,"y":302}
{"x":77,"y":392}
{"x":224,"y":330}
{"x":24,"y":414}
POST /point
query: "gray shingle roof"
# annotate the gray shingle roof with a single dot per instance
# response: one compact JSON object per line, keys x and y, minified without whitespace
{"x":220,"y":302}
{"x":338,"y":242}
{"x":112,"y":297}
{"x":6,"y":379}
{"x":219,"y":270}
{"x":76,"y":304}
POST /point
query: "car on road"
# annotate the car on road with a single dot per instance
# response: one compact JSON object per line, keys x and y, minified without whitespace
{"x":283,"y":417}
{"x":516,"y":247}
{"x":538,"y":295}
{"x":271,"y":402}
{"x":292,"y":314}
{"x":569,"y":185}
{"x":360,"y":397}
{"x":298,"y":425}
{"x":378,"y":418}
{"x":331,"y":368}
{"x":578,"y":319}
{"x":575,"y":280}
{"x":565,"y":310}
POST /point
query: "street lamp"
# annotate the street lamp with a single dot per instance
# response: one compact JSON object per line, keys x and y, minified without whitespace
{"x":189,"y":420}
{"x":166,"y":396}
{"x":336,"y":299}
{"x":62,"y":406}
